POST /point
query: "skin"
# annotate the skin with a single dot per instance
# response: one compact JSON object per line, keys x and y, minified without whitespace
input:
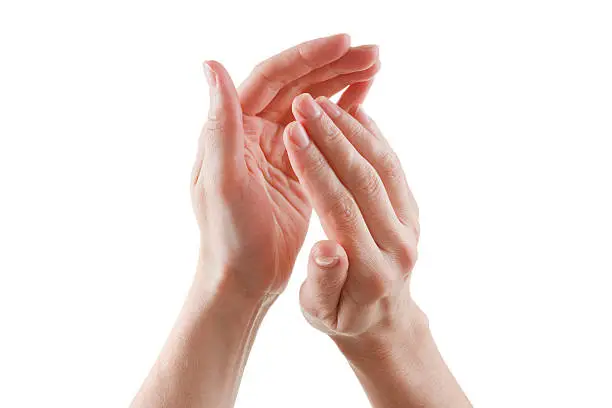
{"x":257,"y":176}
{"x":358,"y":285}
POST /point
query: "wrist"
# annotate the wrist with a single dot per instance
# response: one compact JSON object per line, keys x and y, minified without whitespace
{"x":400,"y":365}
{"x":405,"y":337}
{"x":219,"y":281}
{"x":249,"y":280}
{"x":209,"y":343}
{"x":216,"y":299}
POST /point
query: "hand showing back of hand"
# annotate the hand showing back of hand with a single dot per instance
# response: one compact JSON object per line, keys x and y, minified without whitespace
{"x":358,"y":281}
{"x":358,"y":284}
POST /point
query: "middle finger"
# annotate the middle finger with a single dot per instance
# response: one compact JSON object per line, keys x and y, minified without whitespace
{"x":356,"y":173}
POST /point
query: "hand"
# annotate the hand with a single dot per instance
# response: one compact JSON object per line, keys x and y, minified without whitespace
{"x":252,"y":212}
{"x":358,"y":282}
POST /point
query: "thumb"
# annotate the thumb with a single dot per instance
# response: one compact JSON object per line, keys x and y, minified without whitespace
{"x":320,"y":292}
{"x":223,"y":135}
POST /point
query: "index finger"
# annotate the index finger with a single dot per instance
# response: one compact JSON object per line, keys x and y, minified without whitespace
{"x":269,"y":77}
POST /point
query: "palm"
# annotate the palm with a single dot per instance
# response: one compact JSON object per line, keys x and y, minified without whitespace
{"x":278,"y":203}
{"x":270,"y":217}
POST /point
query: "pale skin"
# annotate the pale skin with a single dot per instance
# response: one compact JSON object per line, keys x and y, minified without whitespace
{"x":269,"y":154}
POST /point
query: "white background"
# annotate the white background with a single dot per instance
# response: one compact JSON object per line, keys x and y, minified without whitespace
{"x":501,"y":112}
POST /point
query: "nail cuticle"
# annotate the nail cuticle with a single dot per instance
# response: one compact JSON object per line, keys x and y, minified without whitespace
{"x":326,"y":261}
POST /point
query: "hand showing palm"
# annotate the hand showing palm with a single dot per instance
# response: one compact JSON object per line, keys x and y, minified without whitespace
{"x":252,"y":211}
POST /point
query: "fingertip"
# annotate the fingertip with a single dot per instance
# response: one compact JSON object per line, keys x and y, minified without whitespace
{"x":326,"y":261}
{"x":214,"y":66}
{"x":224,"y":126}
{"x":355,"y":95}
{"x":344,"y":40}
{"x":304,"y":107}
{"x":377,"y":66}
{"x":222,"y":76}
{"x":301,"y":98}
{"x":286,"y":131}
{"x":327,"y":254}
{"x":357,"y":59}
{"x":295,"y":137}
{"x":370,"y":72}
{"x":375,"y":49}
{"x":326,"y":49}
{"x":211,"y":76}
{"x":223,"y":93}
{"x":327,"y":274}
{"x":368,"y":51}
{"x":331,"y":109}
{"x":361,"y":115}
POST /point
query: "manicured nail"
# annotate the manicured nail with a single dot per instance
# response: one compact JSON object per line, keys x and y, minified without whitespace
{"x":297,"y":136}
{"x":211,"y":76}
{"x":326,"y":261}
{"x":307,"y":108}
{"x":329,"y":107}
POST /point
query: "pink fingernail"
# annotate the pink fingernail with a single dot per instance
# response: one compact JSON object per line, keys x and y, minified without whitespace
{"x":306,"y":107}
{"x":361,"y":115}
{"x":326,"y":261}
{"x":329,"y":107}
{"x":298,"y":136}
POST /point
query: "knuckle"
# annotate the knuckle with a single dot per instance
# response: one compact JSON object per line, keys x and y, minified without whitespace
{"x":409,"y":218}
{"x":355,"y":130}
{"x":316,"y":163}
{"x":344,"y":211}
{"x":390,"y":165}
{"x":331,"y":132}
{"x":367,"y":182}
{"x":294,"y":88}
{"x":329,"y":286}
{"x":380,"y":283}
{"x":303,"y":57}
{"x":260,"y":71}
{"x":406,"y":256}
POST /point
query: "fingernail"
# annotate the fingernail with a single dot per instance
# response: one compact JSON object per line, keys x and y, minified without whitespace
{"x":211,"y":77}
{"x":326,"y":261}
{"x":297,"y":136}
{"x":307,"y":108}
{"x":361,"y":115}
{"x":329,"y":107}
{"x":373,"y":47}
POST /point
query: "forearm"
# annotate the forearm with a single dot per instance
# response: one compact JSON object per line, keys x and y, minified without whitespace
{"x":202,"y":362}
{"x":403,"y":368}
